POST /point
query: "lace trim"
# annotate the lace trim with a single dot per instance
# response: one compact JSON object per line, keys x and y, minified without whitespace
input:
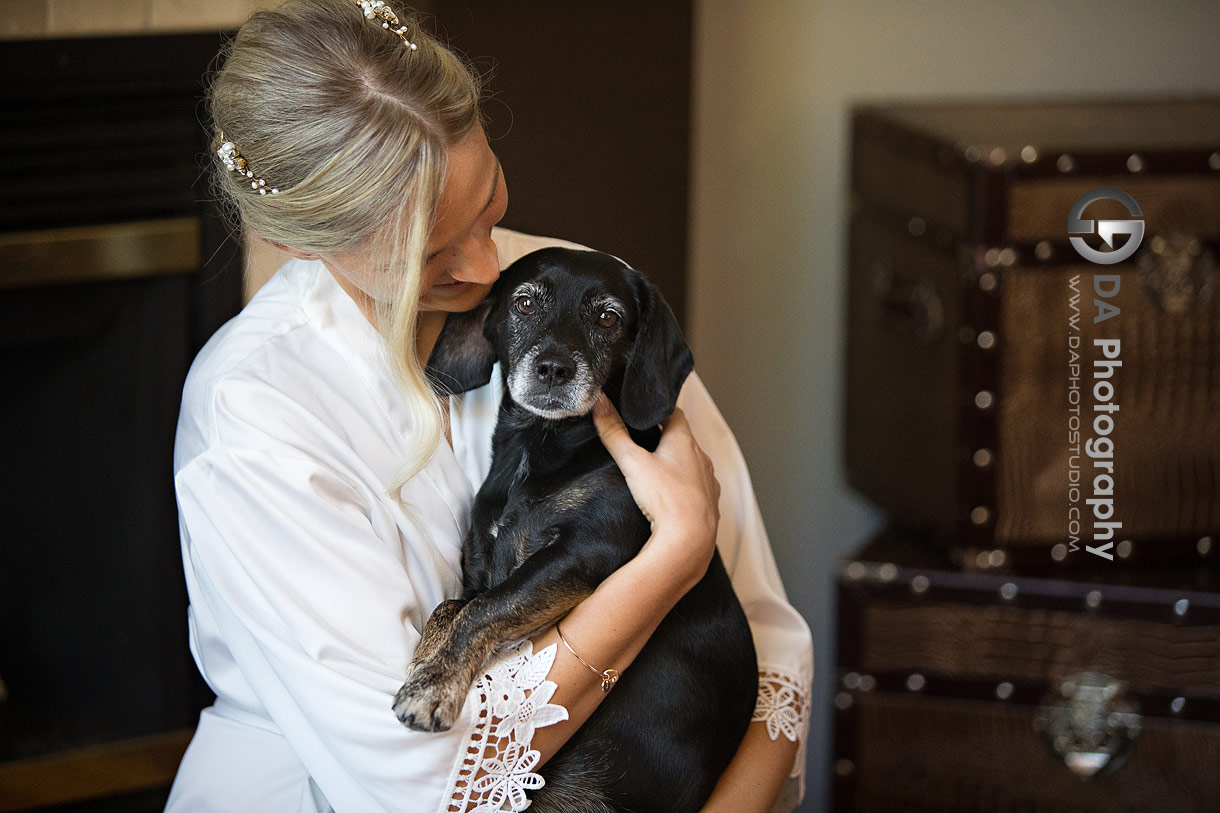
{"x":783,"y":704}
{"x":511,"y":701}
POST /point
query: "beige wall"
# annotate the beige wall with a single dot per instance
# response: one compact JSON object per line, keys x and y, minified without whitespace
{"x":773,"y":82}
{"x":69,"y":18}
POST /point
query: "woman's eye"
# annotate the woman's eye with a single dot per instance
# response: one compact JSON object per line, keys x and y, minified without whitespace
{"x":525,"y":304}
{"x":607,"y":318}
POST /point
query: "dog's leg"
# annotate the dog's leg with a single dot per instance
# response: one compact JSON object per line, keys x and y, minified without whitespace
{"x":539,"y":593}
{"x":437,"y":627}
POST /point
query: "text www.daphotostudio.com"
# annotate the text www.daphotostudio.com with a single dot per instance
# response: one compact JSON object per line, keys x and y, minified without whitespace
{"x":1095,"y":422}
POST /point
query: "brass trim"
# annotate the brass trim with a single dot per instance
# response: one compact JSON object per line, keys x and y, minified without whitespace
{"x":149,"y":248}
{"x":126,"y":766}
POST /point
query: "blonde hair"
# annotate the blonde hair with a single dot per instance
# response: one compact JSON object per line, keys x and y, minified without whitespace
{"x":354,"y":130}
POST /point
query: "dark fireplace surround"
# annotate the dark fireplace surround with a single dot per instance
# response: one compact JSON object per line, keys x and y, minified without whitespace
{"x":114,"y":269}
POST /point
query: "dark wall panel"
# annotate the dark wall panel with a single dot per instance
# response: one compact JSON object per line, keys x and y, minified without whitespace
{"x":590,"y":116}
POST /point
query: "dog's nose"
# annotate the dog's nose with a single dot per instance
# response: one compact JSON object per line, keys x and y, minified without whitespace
{"x":555,"y":372}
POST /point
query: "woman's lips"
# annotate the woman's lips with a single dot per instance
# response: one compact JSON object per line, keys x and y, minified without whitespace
{"x":449,"y":287}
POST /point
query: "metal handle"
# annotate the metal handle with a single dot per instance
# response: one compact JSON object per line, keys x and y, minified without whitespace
{"x":911,"y":307}
{"x":1089,"y":723}
{"x":93,"y":253}
{"x":1177,"y":271}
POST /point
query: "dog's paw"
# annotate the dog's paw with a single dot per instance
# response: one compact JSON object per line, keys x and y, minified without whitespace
{"x":429,"y":701}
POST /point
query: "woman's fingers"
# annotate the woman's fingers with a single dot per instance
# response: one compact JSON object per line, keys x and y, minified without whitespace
{"x":613,"y":432}
{"x":674,"y":486}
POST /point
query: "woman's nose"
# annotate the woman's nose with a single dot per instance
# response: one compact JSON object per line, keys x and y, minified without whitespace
{"x":482,"y":266}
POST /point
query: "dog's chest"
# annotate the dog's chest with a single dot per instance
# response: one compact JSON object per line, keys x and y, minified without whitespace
{"x":528,"y":503}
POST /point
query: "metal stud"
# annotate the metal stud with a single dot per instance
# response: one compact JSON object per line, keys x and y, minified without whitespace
{"x":867,"y":683}
{"x":1124,"y":549}
{"x":844,"y":767}
{"x":1059,"y":552}
{"x":979,"y":515}
{"x":1008,"y":256}
{"x":1029,"y":154}
{"x":992,"y":257}
{"x":1004,"y":690}
{"x":982,"y":458}
{"x":851,"y":680}
{"x":983,"y":399}
{"x":920,"y":584}
{"x":1065,"y":163}
{"x":1181,"y":606}
{"x":916,"y":682}
{"x":1178,"y":704}
{"x":973,"y":154}
{"x":1008,"y":591}
{"x":887,"y":572}
{"x":843,"y":701}
{"x":1135,"y":163}
{"x":1204,"y":545}
{"x":988,"y":559}
{"x":855,"y":571}
{"x":917,"y":226}
{"x":1093,"y":599}
{"x":988,"y":281}
{"x":1043,"y":250}
{"x":1213,"y":160}
{"x":997,"y":156}
{"x":987,"y":339}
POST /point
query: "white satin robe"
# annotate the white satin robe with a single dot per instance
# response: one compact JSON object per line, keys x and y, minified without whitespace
{"x":309,"y":585}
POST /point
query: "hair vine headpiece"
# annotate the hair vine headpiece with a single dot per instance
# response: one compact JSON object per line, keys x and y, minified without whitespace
{"x":377,"y":10}
{"x":235,"y":162}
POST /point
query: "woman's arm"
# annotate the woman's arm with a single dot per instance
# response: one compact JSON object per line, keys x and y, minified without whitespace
{"x":623,"y":612}
{"x":781,"y":637}
{"x":755,"y":777}
{"x":677,"y":491}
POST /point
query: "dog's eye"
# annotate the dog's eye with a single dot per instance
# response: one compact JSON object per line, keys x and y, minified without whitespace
{"x":607,"y":318}
{"x":525,"y":304}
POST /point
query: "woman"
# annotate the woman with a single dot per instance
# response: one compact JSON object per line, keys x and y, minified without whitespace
{"x":324,"y":491}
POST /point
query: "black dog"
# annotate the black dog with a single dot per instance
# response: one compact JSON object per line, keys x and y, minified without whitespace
{"x":555,"y":517}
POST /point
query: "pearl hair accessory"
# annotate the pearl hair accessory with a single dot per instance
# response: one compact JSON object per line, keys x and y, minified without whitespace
{"x":234,"y":162}
{"x":377,"y":10}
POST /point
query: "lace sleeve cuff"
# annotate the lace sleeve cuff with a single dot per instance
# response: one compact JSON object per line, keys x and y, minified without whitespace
{"x":783,"y":704}
{"x":510,"y":701}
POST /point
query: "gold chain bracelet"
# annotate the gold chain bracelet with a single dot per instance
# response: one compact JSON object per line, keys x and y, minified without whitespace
{"x":609,"y":676}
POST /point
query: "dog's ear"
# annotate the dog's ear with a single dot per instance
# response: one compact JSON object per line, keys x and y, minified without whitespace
{"x":658,"y":363}
{"x":463,"y":355}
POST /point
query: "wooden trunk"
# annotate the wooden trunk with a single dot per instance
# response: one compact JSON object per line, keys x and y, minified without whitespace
{"x":966,"y":692}
{"x":971,"y":352}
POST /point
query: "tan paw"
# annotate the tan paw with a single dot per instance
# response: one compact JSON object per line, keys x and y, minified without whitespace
{"x":430,"y":700}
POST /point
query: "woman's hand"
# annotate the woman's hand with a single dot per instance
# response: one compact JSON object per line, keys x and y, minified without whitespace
{"x":677,"y":491}
{"x":675,"y":488}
